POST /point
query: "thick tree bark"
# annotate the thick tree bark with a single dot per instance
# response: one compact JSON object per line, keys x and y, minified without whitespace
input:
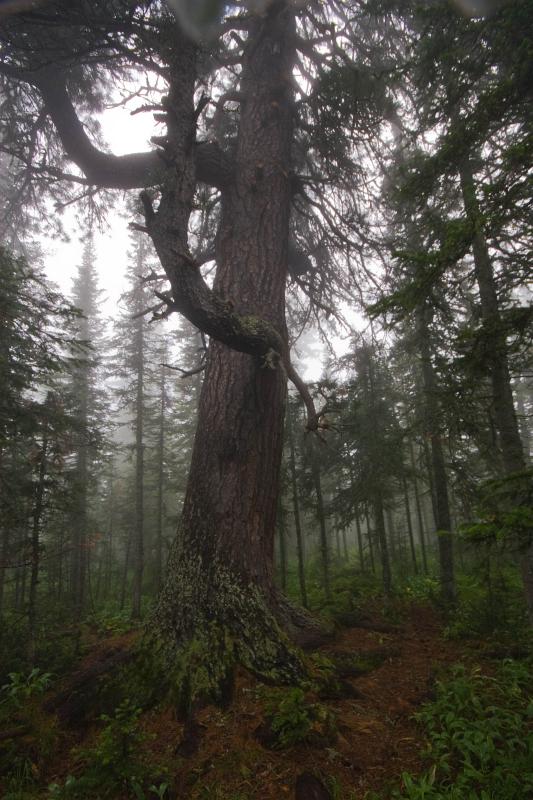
{"x":219,"y":605}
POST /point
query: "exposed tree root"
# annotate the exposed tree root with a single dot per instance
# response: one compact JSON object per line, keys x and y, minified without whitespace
{"x":79,"y":695}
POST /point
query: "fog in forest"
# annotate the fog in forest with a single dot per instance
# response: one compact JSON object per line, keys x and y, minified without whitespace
{"x":266,"y":411}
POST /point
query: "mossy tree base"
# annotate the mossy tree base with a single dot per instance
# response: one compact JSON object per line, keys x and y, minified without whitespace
{"x":207,"y":622}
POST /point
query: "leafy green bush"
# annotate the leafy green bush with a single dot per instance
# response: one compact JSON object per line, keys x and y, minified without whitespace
{"x":480,"y":738}
{"x":293,"y":719}
{"x":490,"y":603}
{"x":110,"y":622}
{"x":22,"y":756}
{"x":114,"y":763}
{"x":421,"y":588}
{"x":21,"y":687}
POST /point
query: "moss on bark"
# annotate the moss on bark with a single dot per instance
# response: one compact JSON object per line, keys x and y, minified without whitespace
{"x":207,"y":622}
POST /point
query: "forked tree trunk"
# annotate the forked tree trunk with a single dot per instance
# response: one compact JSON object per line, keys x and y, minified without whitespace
{"x":218,"y":605}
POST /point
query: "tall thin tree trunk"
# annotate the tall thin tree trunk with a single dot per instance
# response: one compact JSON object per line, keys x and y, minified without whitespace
{"x":337,"y":541}
{"x":502,"y":394}
{"x":125,"y":568}
{"x":360,"y":547}
{"x":370,"y":542}
{"x":393,"y":540}
{"x":379,"y":519}
{"x":4,"y":554}
{"x":160,"y":480}
{"x":409,"y":524}
{"x":523,"y":418}
{"x":79,"y":521}
{"x":345,"y":545}
{"x":282,"y":544}
{"x":420,"y":519}
{"x":324,"y":545}
{"x":437,"y":463}
{"x":138,"y":545}
{"x":296,"y":509}
{"x":109,"y":549}
{"x":38,"y":509}
{"x":377,"y":498}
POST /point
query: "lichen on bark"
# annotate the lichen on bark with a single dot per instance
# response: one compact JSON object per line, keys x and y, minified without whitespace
{"x":207,"y":621}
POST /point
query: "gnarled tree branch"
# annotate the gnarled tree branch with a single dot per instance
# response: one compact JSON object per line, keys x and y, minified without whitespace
{"x":135,"y":170}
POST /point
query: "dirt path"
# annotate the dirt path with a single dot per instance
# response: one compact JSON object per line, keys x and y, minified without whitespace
{"x":377,"y":736}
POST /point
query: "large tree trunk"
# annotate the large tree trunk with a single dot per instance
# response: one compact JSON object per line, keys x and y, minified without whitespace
{"x":218,"y":605}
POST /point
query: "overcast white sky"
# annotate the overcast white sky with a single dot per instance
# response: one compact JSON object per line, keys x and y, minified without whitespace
{"x":125,"y":134}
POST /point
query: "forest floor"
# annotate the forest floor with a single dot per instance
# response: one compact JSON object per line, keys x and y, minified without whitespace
{"x":370,"y":738}
{"x":377,"y":738}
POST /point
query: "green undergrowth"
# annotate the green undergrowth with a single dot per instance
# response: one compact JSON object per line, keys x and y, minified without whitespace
{"x":479,"y":734}
{"x":24,"y":756}
{"x":491,"y":606}
{"x":293,"y":717}
{"x":114,"y":764}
